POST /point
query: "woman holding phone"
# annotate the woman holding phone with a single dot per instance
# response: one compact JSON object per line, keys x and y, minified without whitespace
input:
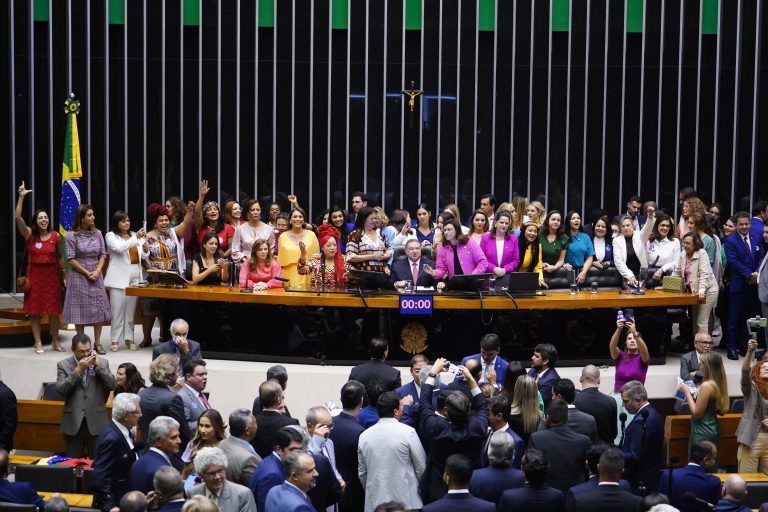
{"x":209,"y":267}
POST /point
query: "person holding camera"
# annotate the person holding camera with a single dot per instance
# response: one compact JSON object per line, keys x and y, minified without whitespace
{"x":631,"y":363}
{"x":752,"y":432}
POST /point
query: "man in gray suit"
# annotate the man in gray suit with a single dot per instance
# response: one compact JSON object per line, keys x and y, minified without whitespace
{"x":241,"y":457}
{"x":689,"y":362}
{"x":191,"y":393}
{"x":85,"y":381}
{"x":211,"y":465}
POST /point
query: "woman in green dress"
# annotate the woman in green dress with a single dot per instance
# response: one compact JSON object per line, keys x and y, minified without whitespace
{"x":711,"y":400}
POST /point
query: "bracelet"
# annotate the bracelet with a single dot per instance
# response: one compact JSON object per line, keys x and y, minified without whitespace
{"x":433,"y":375}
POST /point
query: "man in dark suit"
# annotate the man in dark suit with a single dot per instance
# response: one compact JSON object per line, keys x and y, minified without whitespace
{"x":535,"y":494}
{"x":490,"y":346}
{"x":689,"y":362}
{"x":186,"y":350}
{"x":280,"y":374}
{"x":327,"y":490}
{"x":600,"y":406}
{"x":734,"y":492}
{"x":300,"y":477}
{"x":543,"y":370}
{"x":376,"y":368}
{"x":270,"y":419}
{"x":757,"y":223}
{"x":744,"y":253}
{"x":458,"y":473}
{"x":8,"y":417}
{"x":565,"y":449}
{"x":160,"y":399}
{"x":498,"y":418}
{"x":694,"y":477}
{"x":578,"y":421}
{"x":410,"y":269}
{"x":85,"y":381}
{"x":594,"y":452}
{"x":413,"y":390}
{"x":270,"y":472}
{"x":116,"y":452}
{"x":634,"y":205}
{"x":164,"y":444}
{"x":463,"y":433}
{"x":608,"y":496}
{"x":346,"y":436}
{"x":490,"y":482}
{"x":169,"y":489}
{"x":21,"y":493}
{"x":643,"y":439}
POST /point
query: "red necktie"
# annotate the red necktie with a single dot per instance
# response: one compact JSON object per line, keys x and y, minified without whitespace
{"x":205,"y":403}
{"x":415,"y":272}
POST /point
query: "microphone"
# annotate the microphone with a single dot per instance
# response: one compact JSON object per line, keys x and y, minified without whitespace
{"x":693,"y":500}
{"x":623,"y":419}
{"x":673,"y":460}
{"x":644,"y":415}
{"x":282,"y":279}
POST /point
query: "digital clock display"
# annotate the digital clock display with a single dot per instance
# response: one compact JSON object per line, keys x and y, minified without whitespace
{"x":415,"y":305}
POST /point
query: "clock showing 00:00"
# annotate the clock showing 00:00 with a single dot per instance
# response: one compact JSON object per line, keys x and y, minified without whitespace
{"x":416,"y":305}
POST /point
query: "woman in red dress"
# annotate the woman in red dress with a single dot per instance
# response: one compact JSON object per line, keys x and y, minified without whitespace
{"x":45,"y":269}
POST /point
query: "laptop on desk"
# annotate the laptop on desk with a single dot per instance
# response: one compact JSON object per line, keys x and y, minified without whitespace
{"x":520,"y":284}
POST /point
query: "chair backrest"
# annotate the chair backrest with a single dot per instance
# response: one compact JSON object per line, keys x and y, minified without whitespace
{"x":560,"y":279}
{"x":737,"y":406}
{"x":16,"y":507}
{"x":47,"y":478}
{"x":87,"y":481}
{"x":51,"y":393}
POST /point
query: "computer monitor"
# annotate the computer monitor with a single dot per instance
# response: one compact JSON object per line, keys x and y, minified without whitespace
{"x":467,"y":282}
{"x":521,"y":281}
{"x":369,"y":280}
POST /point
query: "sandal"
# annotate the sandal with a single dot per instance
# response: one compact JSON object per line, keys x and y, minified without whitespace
{"x":39,"y":348}
{"x":114,"y":347}
{"x":56,"y":345}
{"x":131,"y":345}
{"x":99,"y":349}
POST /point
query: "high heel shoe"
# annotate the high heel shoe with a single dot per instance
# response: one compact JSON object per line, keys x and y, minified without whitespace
{"x":39,"y":348}
{"x":56,"y":345}
{"x":99,"y":349}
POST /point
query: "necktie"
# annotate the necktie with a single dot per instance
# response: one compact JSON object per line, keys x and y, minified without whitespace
{"x":415,"y":272}
{"x":205,"y":403}
{"x":484,"y":376}
{"x":746,"y":242}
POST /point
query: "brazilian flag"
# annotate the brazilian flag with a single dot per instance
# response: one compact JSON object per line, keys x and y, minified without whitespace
{"x":71,"y":168}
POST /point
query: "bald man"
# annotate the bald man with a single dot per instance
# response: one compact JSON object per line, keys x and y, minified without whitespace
{"x":601,"y":406}
{"x":689,"y":362}
{"x":734,"y":493}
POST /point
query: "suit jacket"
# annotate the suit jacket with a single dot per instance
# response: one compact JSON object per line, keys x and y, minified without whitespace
{"x":601,"y":407}
{"x":489,"y":483}
{"x":643,"y":461}
{"x":641,"y":219}
{"x":702,"y":276}
{"x":545,"y":383}
{"x":582,"y":422}
{"x":471,"y":259}
{"x":143,"y":471}
{"x":762,"y":280}
{"x":510,"y":255}
{"x":111,"y":467}
{"x":268,"y":474}
{"x":193,"y":407}
{"x":606,"y":498}
{"x":257,"y":408}
{"x":566,"y":451}
{"x":410,"y":412}
{"x":172,"y":506}
{"x":232,"y":497}
{"x":447,"y":439}
{"x":169,"y":347}
{"x":8,"y":417}
{"x":76,"y":407}
{"x":589,"y":485}
{"x":689,"y":362}
{"x":460,"y":502}
{"x":286,"y":498}
{"x":162,"y":401}
{"x":519,"y":448}
{"x":499,"y":366}
{"x":327,"y":489}
{"x":241,"y":462}
{"x":693,"y":478}
{"x":638,"y":244}
{"x":530,"y":498}
{"x":376,"y":369}
{"x":20,"y":492}
{"x":119,"y":268}
{"x":346,"y":436}
{"x":729,"y":506}
{"x":741,"y":262}
{"x":401,"y":271}
{"x":269,"y":423}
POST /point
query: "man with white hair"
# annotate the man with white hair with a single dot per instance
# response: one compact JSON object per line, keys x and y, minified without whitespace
{"x":734,"y":492}
{"x":211,"y":466}
{"x":186,"y":350}
{"x":489,"y":483}
{"x":164,"y":443}
{"x":116,"y":452}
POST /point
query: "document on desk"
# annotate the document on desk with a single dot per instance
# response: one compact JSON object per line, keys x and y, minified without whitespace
{"x":425,"y":288}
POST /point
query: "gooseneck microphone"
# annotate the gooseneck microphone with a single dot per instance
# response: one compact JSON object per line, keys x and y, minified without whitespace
{"x":693,"y":500}
{"x":623,"y":419}
{"x":673,"y":460}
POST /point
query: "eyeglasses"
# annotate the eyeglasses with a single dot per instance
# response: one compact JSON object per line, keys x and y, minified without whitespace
{"x":214,"y":472}
{"x":705,"y":343}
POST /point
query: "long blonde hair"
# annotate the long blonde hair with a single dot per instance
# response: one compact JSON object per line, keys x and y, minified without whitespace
{"x":713,"y":370}
{"x":525,"y":402}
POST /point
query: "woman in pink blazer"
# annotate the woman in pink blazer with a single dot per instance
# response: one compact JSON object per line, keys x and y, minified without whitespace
{"x":500,"y":246}
{"x":456,"y":246}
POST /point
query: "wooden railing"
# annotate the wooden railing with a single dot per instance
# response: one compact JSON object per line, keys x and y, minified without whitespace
{"x":677,"y":431}
{"x":38,"y":426}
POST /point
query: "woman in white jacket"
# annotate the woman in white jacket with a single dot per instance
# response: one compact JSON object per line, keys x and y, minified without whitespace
{"x":694,"y":267}
{"x":663,"y":248}
{"x":629,"y":254}
{"x":124,"y":249}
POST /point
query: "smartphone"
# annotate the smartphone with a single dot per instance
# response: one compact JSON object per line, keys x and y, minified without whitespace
{"x":629,"y":314}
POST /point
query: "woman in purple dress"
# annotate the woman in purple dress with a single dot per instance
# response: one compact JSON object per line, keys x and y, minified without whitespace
{"x":86,"y":300}
{"x":631,"y":363}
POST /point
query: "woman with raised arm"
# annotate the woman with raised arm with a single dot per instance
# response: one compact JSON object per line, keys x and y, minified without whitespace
{"x":629,"y":254}
{"x":631,"y":364}
{"x":45,"y":271}
{"x":289,"y":250}
{"x":752,"y":432}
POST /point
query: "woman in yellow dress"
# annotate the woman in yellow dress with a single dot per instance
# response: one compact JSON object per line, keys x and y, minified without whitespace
{"x":288,"y":251}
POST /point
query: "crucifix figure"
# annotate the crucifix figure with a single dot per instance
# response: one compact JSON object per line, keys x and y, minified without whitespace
{"x":412,"y":93}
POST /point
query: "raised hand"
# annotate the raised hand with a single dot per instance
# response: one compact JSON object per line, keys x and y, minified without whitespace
{"x":23,"y":190}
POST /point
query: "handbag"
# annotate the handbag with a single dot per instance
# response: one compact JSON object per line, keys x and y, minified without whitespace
{"x":673,"y":284}
{"x":23,"y":284}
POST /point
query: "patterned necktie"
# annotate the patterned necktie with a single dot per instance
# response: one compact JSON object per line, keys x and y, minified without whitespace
{"x":746,"y":242}
{"x":203,"y":401}
{"x":415,"y":272}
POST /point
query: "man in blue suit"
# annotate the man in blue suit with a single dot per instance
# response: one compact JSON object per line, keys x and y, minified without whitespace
{"x":16,"y":492}
{"x":490,"y":482}
{"x":498,"y":420}
{"x":269,"y":473}
{"x":543,"y":370}
{"x":300,"y":477}
{"x":490,"y":346}
{"x":458,"y":473}
{"x":744,"y":251}
{"x":185,"y":349}
{"x":759,"y":217}
{"x":413,"y":389}
{"x":634,"y":205}
{"x":169,"y":490}
{"x":411,"y":269}
{"x":164,"y":444}
{"x":643,"y":438}
{"x":535,"y":494}
{"x":346,"y":437}
{"x":694,"y":477}
{"x":594,"y":452}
